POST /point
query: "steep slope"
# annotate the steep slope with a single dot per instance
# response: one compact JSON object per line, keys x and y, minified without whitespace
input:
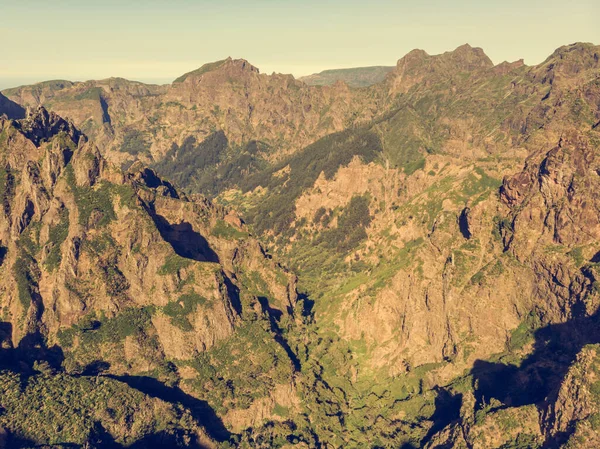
{"x":423,"y":249}
{"x":120,"y":275}
{"x":354,"y":77}
{"x":131,"y":121}
{"x":445,"y":238}
{"x":10,"y":108}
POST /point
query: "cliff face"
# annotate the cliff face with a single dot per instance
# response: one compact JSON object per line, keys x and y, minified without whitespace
{"x":132,"y":121}
{"x":119,"y":273}
{"x":445,"y":237}
{"x":447,"y":242}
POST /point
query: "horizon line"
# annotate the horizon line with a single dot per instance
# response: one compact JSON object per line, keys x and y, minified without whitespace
{"x":166,"y":80}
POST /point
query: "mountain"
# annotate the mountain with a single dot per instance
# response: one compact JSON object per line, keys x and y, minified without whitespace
{"x":10,"y":108}
{"x":119,"y":274}
{"x":440,"y":227}
{"x":355,"y":77}
{"x":432,"y":240}
{"x":137,"y":121}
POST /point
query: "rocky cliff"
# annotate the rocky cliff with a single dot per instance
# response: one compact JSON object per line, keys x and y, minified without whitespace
{"x":132,"y":120}
{"x":442,"y":223}
{"x":446,"y":242}
{"x":119,"y":274}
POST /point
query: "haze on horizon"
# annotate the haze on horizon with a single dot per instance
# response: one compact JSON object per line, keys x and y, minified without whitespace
{"x":156,"y":40}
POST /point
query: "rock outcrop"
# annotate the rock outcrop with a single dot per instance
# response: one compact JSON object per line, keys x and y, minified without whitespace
{"x":119,"y":274}
{"x":443,"y":223}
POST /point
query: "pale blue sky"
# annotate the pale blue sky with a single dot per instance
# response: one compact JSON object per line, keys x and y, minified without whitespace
{"x":158,"y":40}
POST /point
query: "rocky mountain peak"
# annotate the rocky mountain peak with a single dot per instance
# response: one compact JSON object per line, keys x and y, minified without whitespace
{"x":470,"y":58}
{"x":568,"y":64}
{"x":413,"y":57}
{"x":418,"y":66}
{"x":227,"y":66}
{"x":41,"y":125}
{"x":464,"y":57}
{"x":241,"y":64}
{"x":574,"y":58}
{"x":506,"y":67}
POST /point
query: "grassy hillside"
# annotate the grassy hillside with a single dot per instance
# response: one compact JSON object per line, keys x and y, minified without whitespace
{"x":355,"y":77}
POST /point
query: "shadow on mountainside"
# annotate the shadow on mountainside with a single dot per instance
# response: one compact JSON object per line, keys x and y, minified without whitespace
{"x":166,"y":440}
{"x":234,"y":294}
{"x":183,"y":239}
{"x":540,"y":374}
{"x":274,"y":318}
{"x":3,"y":251}
{"x":200,"y":410}
{"x":32,"y":348}
{"x":447,"y":411}
{"x":538,"y":379}
{"x":12,"y":110}
{"x":100,"y":438}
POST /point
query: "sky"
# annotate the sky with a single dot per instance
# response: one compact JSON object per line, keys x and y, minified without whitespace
{"x":158,"y":40}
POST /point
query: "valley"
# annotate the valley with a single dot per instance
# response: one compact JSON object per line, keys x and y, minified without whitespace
{"x":247,"y":260}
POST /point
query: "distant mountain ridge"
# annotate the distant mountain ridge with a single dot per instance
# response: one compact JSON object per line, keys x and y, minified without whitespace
{"x":443,"y":224}
{"x":353,"y":77}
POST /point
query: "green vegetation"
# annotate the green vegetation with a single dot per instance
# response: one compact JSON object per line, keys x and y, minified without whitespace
{"x":351,"y":225}
{"x":523,"y":441}
{"x":173,"y":264}
{"x":53,"y":85}
{"x":577,"y":255}
{"x":99,"y":243}
{"x":3,"y":181}
{"x":26,"y":276}
{"x":327,"y":155}
{"x":93,"y":93}
{"x":29,"y":240}
{"x":523,"y":334}
{"x":319,"y":214}
{"x":224,"y":230}
{"x":65,"y":141}
{"x":91,"y":200}
{"x":95,"y":329}
{"x":180,"y":309}
{"x":210,"y":166}
{"x":3,"y":139}
{"x":414,"y":165}
{"x":116,"y":283}
{"x":181,"y":162}
{"x":135,"y":143}
{"x":281,"y":411}
{"x":255,"y":284}
{"x":63,"y":410}
{"x":57,"y":235}
{"x":241,"y":369}
{"x":354,"y":77}
{"x":126,"y":194}
{"x":7,"y":185}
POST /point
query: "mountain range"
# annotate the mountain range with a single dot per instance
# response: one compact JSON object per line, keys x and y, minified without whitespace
{"x":392,"y":257}
{"x":355,"y":77}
